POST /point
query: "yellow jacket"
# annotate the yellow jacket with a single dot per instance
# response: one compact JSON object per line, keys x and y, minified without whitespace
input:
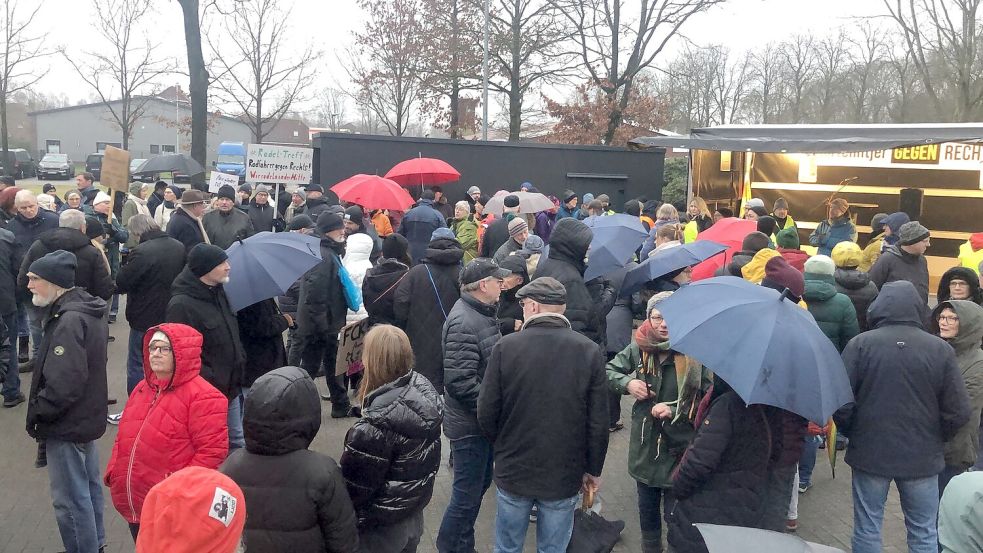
{"x":968,"y":257}
{"x":754,"y":271}
{"x":871,"y":253}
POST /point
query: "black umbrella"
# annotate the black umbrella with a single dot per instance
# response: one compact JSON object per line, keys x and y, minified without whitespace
{"x":171,"y":163}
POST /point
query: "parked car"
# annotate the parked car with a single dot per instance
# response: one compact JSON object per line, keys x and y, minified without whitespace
{"x":18,"y":163}
{"x":56,"y":165}
{"x":144,"y":177}
{"x":93,"y":164}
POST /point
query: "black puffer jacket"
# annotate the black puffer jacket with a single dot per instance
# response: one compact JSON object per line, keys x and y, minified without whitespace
{"x":909,"y":393}
{"x":965,"y":274}
{"x":185,"y":228}
{"x":314,"y":207}
{"x":69,"y":395}
{"x":26,"y":231}
{"x":861,"y":291}
{"x":261,"y":327}
{"x":206,"y":309}
{"x":418,"y":310}
{"x":322,"y":307}
{"x":586,"y":312}
{"x":147,"y":277}
{"x":261,"y":215}
{"x":393,"y":452}
{"x":509,"y":310}
{"x":379,"y":291}
{"x":496,"y":234}
{"x":91,"y":272}
{"x":470,"y":333}
{"x":297,"y":498}
{"x":9,"y":265}
{"x":722,"y":478}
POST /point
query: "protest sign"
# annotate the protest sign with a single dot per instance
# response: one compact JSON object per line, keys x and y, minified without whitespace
{"x":115,"y":172}
{"x":219,"y":179}
{"x":349,"y":360}
{"x":279,"y":164}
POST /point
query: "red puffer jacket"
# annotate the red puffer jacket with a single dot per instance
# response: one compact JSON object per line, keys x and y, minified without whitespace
{"x":167,"y":424}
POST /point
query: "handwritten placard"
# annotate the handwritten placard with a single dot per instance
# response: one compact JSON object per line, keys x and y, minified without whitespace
{"x":219,"y":179}
{"x":279,"y":164}
{"x":115,"y":172}
{"x":349,"y":360}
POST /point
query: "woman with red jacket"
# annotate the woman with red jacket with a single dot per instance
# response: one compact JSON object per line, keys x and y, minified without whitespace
{"x":173,"y":419}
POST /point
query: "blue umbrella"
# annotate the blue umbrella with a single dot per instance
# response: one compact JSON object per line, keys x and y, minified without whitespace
{"x":769,"y":349}
{"x":267,"y":263}
{"x":668,"y":260}
{"x":616,"y":237}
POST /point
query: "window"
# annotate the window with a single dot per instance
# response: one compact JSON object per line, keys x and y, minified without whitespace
{"x":296,"y":134}
{"x":101,"y":146}
{"x":154,"y":149}
{"x":167,"y":148}
{"x":52,"y":146}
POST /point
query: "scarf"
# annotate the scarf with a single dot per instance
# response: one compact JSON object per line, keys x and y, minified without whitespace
{"x":648,"y":339}
{"x":688,"y":371}
{"x":141,"y":205}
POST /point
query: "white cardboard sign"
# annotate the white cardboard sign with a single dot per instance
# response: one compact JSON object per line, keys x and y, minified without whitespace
{"x":220,"y":179}
{"x":279,"y":164}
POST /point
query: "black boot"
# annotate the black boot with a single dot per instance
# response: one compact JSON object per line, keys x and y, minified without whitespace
{"x":23,"y":349}
{"x":651,"y":542}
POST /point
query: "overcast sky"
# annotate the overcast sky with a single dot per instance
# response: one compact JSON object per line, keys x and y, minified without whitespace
{"x":328,"y":24}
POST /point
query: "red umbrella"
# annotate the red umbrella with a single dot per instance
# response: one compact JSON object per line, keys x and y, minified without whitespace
{"x":421,"y":171}
{"x":373,"y":192}
{"x":729,"y":232}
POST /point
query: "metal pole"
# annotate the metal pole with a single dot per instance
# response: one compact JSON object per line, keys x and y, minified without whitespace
{"x":177,"y":123}
{"x":484,"y":72}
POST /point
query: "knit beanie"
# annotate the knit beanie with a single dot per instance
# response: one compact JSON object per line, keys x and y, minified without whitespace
{"x":57,"y":267}
{"x":877,"y":223}
{"x":246,"y":187}
{"x":654,"y":301}
{"x":300,"y":192}
{"x":568,"y":195}
{"x":533,"y":244}
{"x":758,"y":210}
{"x":301,"y":221}
{"x":820,"y":265}
{"x":314,"y":188}
{"x":354,"y":214}
{"x":226,"y":191}
{"x":442,"y":232}
{"x":262,"y":189}
{"x":755,"y":202}
{"x":912,"y":232}
{"x":511,"y":201}
{"x":788,"y":239}
{"x":101,"y":197}
{"x":93,"y":227}
{"x":395,"y":246}
{"x":204,"y":257}
{"x":588,"y":198}
{"x":767,"y":225}
{"x":779,"y":275}
{"x":755,"y":242}
{"x":780,"y":203}
{"x":847,"y":255}
{"x":327,"y":222}
{"x":177,"y":190}
{"x":840,"y":204}
{"x":517,"y":226}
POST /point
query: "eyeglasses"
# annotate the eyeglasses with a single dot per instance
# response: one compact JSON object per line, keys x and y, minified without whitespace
{"x":948,"y":319}
{"x":160,"y":349}
{"x":657,"y":319}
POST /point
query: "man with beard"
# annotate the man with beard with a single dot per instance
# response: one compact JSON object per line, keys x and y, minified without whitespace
{"x":321,"y":312}
{"x":69,"y":397}
{"x":316,"y":204}
{"x":225,"y":224}
{"x":198,"y":300}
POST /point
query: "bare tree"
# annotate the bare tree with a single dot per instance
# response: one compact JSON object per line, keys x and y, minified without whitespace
{"x":21,"y":51}
{"x":904,"y":78}
{"x":528,"y":50}
{"x":125,"y":74}
{"x":768,"y":83}
{"x":943,"y":36}
{"x":451,"y":56}
{"x":330,"y":109}
{"x":798,"y":55}
{"x":254,"y":70}
{"x":385,"y":65}
{"x":866,"y":56}
{"x":197,"y":86}
{"x":731,"y":86}
{"x":615,"y":50}
{"x":831,"y":52}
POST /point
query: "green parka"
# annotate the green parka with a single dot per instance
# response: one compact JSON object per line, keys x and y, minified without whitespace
{"x":834,"y":312}
{"x":466,"y":230}
{"x":656,"y":446}
{"x":961,"y":450}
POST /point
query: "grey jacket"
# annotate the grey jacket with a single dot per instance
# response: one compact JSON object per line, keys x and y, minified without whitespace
{"x":224,"y":229}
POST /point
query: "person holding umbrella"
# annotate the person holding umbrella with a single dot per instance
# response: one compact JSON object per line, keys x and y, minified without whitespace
{"x":667,"y":387}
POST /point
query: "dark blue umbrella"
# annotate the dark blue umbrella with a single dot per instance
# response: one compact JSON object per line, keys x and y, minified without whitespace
{"x":769,"y":349}
{"x":267,"y":263}
{"x":668,"y":260}
{"x":616,"y":237}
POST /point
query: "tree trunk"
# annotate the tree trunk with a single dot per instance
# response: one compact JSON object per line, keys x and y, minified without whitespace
{"x":3,"y":132}
{"x":455,"y":95}
{"x":617,"y":111}
{"x":198,"y":89}
{"x":455,"y":122}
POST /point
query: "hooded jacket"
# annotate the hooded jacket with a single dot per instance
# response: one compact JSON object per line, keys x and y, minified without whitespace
{"x":754,"y":270}
{"x":379,"y":291}
{"x":834,"y":312}
{"x":421,"y":306}
{"x":966,"y":275}
{"x":91,"y":272}
{"x":565,"y":263}
{"x":795,"y":258}
{"x":356,"y":261}
{"x":971,"y":252}
{"x":225,"y":228}
{"x":546,"y":437}
{"x":417,"y":226}
{"x":261,"y":327}
{"x":69,"y":395}
{"x":909,"y":394}
{"x":961,"y":514}
{"x":297,"y":498}
{"x":466,"y":230}
{"x":857,"y":286}
{"x":468,"y":336}
{"x":147,"y":276}
{"x":206,"y":309}
{"x":961,"y":450}
{"x":168,"y":424}
{"x":896,"y":264}
{"x":393,"y":452}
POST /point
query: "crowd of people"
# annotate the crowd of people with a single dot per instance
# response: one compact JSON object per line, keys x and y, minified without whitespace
{"x":221,"y":412}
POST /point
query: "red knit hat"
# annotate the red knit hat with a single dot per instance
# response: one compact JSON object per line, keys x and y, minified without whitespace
{"x":780,"y":275}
